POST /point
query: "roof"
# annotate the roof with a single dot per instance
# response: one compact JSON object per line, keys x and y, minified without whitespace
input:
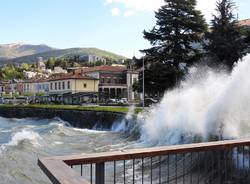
{"x":38,"y":80}
{"x":4,"y":82}
{"x":245,"y":22}
{"x":71,"y":76}
{"x":104,"y":68}
{"x":57,"y":77}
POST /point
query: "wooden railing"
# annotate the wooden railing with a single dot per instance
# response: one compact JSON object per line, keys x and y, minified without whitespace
{"x":213,"y":162}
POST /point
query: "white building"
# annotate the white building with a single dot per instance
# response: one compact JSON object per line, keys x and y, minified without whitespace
{"x":92,"y":58}
{"x":29,"y":74}
{"x":41,"y":66}
{"x":59,"y":69}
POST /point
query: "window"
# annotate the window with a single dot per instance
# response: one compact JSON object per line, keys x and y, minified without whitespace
{"x":134,"y":80}
{"x":59,"y":85}
{"x":68,"y":84}
{"x":63,"y":85}
{"x":51,"y":86}
{"x":55,"y":85}
{"x":84,"y":85}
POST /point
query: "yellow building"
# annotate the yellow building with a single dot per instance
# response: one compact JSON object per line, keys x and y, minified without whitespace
{"x":73,"y":88}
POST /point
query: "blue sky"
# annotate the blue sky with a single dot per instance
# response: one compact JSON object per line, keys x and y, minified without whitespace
{"x":113,"y":25}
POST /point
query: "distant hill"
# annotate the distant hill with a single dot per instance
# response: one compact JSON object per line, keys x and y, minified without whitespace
{"x":11,"y":51}
{"x":20,"y":53}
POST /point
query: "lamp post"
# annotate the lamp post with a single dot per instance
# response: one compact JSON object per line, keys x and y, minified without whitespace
{"x":143,"y":83}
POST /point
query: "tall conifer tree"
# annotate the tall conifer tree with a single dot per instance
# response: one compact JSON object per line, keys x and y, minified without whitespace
{"x":178,"y":27}
{"x":226,"y":44}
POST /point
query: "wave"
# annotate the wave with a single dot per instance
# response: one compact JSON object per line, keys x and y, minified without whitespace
{"x":207,"y":104}
{"x":89,"y":130}
{"x":25,"y":135}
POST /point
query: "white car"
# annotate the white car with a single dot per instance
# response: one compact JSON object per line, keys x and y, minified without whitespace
{"x":123,"y":101}
{"x":113,"y":100}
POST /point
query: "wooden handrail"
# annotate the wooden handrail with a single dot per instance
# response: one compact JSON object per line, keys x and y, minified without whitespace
{"x":59,"y":172}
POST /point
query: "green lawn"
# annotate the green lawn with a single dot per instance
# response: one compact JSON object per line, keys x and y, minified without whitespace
{"x":76,"y":107}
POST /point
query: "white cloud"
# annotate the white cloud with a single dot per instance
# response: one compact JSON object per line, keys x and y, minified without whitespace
{"x":115,"y":11}
{"x":129,"y":13}
{"x":138,"y":5}
{"x":206,"y":6}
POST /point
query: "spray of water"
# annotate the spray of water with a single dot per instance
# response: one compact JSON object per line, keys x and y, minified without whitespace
{"x":206,"y":103}
{"x":126,"y":123}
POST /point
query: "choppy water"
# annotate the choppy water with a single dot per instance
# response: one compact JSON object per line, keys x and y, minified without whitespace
{"x":22,"y":141}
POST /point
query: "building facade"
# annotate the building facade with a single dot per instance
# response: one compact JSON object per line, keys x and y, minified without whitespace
{"x":114,"y":81}
{"x":5,"y":88}
{"x":36,"y":87}
{"x":73,"y":89}
{"x":92,"y":58}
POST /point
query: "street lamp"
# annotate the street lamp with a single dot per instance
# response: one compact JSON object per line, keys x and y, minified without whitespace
{"x":143,"y":82}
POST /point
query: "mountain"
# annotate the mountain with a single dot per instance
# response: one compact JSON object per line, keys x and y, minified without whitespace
{"x":20,"y":53}
{"x":15,"y":50}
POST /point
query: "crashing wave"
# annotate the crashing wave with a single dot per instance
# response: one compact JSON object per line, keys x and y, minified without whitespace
{"x":206,"y":103}
{"x":25,"y":135}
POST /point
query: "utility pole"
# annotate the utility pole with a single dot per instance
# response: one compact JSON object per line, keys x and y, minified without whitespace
{"x":143,"y":83}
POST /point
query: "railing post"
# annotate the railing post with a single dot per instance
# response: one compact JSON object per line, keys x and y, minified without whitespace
{"x":99,"y":173}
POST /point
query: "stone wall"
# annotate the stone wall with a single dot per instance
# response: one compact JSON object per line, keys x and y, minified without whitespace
{"x":77,"y":118}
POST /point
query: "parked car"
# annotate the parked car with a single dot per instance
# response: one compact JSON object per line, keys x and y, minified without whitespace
{"x":123,"y":101}
{"x":149,"y":101}
{"x":112,"y":100}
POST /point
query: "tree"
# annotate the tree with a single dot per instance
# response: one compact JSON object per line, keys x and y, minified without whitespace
{"x":178,"y":27}
{"x":10,"y":72}
{"x":50,"y":64}
{"x":245,"y":32}
{"x":225,"y":45}
{"x":25,"y":66}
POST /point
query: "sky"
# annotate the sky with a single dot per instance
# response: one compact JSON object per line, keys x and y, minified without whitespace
{"x":112,"y":25}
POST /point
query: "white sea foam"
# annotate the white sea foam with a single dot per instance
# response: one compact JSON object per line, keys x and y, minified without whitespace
{"x":88,"y":130}
{"x":206,"y":103}
{"x":58,"y":143}
{"x":31,"y":136}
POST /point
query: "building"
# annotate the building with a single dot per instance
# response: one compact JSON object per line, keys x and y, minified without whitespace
{"x":16,"y":87}
{"x":11,"y":87}
{"x":245,"y":22}
{"x":36,"y":87}
{"x":29,"y":74}
{"x":5,"y":88}
{"x":41,"y":65}
{"x":132,"y":77}
{"x":115,"y":81}
{"x":73,"y":88}
{"x":92,"y":58}
{"x":58,"y":70}
{"x":63,"y":88}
